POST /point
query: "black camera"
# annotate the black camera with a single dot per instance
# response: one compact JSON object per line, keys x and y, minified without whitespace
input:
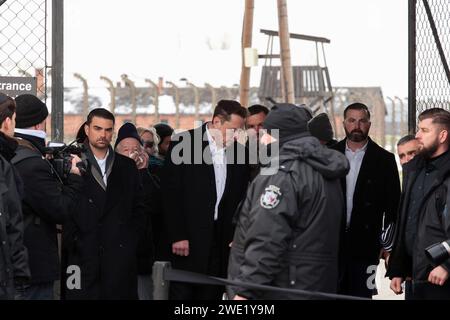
{"x":438,"y":252}
{"x":59,"y":155}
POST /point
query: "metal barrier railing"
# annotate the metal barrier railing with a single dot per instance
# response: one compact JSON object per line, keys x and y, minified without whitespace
{"x":163,"y":274}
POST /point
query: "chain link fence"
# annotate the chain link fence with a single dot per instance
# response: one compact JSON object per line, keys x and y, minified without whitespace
{"x":23,"y":40}
{"x":430,"y":55}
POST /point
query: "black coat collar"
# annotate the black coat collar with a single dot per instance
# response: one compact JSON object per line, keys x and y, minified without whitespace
{"x":39,"y":143}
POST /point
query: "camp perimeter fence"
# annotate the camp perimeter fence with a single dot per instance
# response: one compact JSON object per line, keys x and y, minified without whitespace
{"x":429,"y":55}
{"x":23,"y":41}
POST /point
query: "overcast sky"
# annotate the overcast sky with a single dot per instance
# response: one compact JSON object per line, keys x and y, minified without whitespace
{"x":200,"y":40}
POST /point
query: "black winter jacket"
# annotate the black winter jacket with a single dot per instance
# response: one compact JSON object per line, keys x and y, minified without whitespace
{"x":46,"y":203}
{"x":101,"y":236}
{"x":288,"y":230}
{"x":13,"y":254}
{"x":433,"y":214}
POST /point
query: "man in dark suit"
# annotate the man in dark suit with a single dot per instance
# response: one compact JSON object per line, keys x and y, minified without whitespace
{"x":100,"y":239}
{"x":372,"y":192}
{"x":204,"y":179}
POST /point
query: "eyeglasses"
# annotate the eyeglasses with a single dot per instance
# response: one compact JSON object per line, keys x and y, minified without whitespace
{"x":149,"y":144}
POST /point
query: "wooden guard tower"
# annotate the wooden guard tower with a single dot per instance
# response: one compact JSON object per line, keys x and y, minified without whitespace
{"x":312,"y":83}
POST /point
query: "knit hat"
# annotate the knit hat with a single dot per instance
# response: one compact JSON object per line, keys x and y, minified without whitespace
{"x":30,"y":111}
{"x":320,"y":127}
{"x":163,"y":130}
{"x":289,"y":119}
{"x":128,"y":130}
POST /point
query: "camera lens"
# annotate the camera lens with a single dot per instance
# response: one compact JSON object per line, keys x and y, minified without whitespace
{"x":438,"y":253}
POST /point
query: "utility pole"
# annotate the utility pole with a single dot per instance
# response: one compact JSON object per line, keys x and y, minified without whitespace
{"x":156,"y":98}
{"x":85,"y":94}
{"x":112,"y":92}
{"x":286,"y":68}
{"x":247,"y":31}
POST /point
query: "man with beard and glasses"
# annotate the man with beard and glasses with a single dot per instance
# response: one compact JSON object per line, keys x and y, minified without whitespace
{"x":423,"y":213}
{"x":372,"y":192}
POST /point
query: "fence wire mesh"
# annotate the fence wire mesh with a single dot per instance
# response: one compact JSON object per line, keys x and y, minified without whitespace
{"x":432,"y":80}
{"x":23,"y":40}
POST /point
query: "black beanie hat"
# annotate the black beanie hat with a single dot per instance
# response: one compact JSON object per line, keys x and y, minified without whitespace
{"x":128,"y":130}
{"x":163,"y":130}
{"x":289,"y":119}
{"x":30,"y":111}
{"x":320,"y":127}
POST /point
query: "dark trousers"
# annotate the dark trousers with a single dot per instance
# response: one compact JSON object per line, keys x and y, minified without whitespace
{"x":409,"y":292}
{"x":355,"y":281}
{"x":188,"y":291}
{"x":423,"y":290}
{"x":41,"y":291}
{"x":356,"y":276}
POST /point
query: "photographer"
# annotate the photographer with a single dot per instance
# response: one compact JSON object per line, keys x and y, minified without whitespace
{"x":438,"y":253}
{"x":47,"y":201}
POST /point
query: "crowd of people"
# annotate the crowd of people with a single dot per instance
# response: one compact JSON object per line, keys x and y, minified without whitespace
{"x":257,"y":196}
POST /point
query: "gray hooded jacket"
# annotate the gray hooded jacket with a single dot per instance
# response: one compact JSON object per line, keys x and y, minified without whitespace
{"x":288,"y":227}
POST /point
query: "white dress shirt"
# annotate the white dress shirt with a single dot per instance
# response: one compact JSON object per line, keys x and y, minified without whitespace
{"x":102,"y":165}
{"x":355,"y":159}
{"x":220,"y":170}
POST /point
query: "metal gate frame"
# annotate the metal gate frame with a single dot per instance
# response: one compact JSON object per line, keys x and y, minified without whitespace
{"x":24,"y":48}
{"x":414,"y":47}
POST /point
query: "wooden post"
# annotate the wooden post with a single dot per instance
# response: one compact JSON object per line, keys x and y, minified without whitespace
{"x":286,"y":68}
{"x":246,"y":43}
